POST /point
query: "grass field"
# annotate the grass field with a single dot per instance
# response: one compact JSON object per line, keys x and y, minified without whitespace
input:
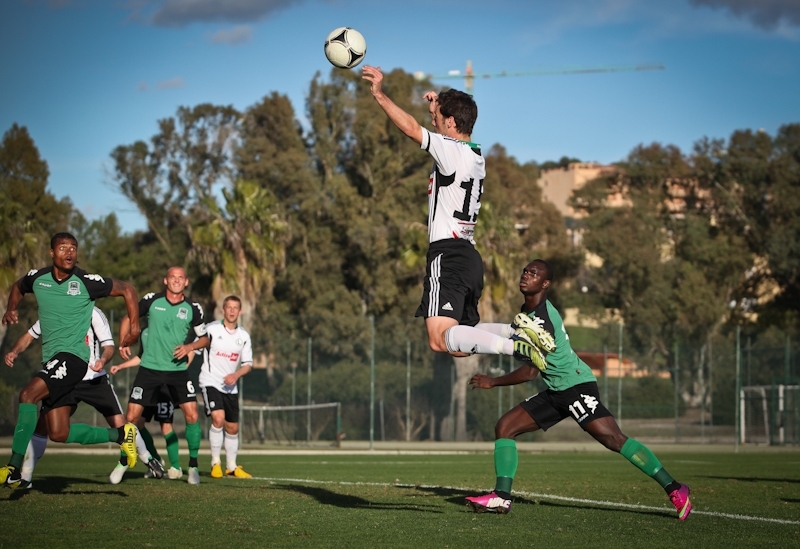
{"x":576,"y":499}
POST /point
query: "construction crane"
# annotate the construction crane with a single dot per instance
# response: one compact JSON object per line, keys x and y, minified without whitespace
{"x":469,"y":76}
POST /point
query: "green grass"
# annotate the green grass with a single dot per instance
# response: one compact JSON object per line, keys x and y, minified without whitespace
{"x":358,"y":501}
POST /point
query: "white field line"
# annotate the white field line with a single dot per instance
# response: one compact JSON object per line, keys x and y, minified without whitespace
{"x":533,"y":495}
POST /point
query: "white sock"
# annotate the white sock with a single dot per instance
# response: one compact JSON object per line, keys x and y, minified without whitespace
{"x":141,"y":448}
{"x":231,"y":449}
{"x":502,"y":330}
{"x":36,"y":448}
{"x":215,"y":440}
{"x":466,"y":339}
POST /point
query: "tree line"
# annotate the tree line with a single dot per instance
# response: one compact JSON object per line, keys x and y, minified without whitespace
{"x":320,"y":228}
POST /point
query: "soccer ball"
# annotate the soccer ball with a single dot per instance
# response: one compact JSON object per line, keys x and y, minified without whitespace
{"x":345,"y":48}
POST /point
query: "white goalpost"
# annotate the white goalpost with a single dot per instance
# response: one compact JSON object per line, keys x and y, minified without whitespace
{"x":769,"y":414}
{"x":303,"y":423}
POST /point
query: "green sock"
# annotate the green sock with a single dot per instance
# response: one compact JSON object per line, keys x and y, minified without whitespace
{"x":505,"y":464}
{"x":148,"y":441}
{"x":86,"y":434}
{"x":641,"y":456}
{"x":26,"y":425}
{"x":173,"y":453}
{"x":193,"y":436}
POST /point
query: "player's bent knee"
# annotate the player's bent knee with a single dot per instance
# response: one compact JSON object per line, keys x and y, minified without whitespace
{"x":505,"y":429}
{"x":30,"y":395}
{"x":59,"y":436}
{"x":116,"y":421}
{"x":438,"y":346}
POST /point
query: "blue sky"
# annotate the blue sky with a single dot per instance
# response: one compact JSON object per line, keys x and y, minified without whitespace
{"x":87,"y":75}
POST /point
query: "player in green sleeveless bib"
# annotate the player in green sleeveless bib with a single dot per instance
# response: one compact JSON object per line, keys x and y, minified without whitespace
{"x":572,"y":392}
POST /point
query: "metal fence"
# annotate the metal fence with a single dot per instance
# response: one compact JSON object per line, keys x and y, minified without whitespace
{"x":663,"y":384}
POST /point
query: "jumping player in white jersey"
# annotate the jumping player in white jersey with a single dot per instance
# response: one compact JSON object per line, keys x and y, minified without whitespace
{"x":454,"y":274}
{"x":95,"y":390}
{"x":228,"y":358}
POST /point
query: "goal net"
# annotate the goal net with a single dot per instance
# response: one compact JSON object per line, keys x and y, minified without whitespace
{"x":300,"y":424}
{"x":769,"y":414}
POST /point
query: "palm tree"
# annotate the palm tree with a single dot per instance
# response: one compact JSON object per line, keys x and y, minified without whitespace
{"x":242,"y":246}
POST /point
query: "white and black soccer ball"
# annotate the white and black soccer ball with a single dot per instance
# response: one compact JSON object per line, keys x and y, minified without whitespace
{"x":345,"y":48}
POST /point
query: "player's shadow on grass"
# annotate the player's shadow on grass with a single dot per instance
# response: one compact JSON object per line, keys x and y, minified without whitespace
{"x":60,"y":486}
{"x":756,"y":479}
{"x":327,"y":497}
{"x":456,"y":497}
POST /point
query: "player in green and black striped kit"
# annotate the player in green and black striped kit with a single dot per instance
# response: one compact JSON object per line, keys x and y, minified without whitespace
{"x":571,"y":392}
{"x":175,"y":329}
{"x":65,"y":295}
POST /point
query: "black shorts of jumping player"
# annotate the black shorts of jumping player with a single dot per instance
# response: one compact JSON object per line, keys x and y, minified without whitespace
{"x":453,"y":282}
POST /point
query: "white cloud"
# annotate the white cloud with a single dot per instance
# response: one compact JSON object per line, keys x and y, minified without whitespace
{"x":172,"y":83}
{"x":766,"y":14}
{"x":179,"y":13}
{"x":233,"y":36}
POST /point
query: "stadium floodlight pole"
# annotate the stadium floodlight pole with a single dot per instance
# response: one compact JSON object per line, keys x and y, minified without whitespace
{"x":605,"y":372}
{"x":308,"y":400}
{"x":372,"y":383}
{"x":710,"y":390}
{"x":703,"y":395}
{"x":241,"y":406}
{"x":408,"y":391}
{"x":452,"y":400}
{"x":787,"y":359}
{"x":619,"y":379}
{"x":294,"y":393}
{"x":677,"y":389}
{"x":737,"y":428}
{"x":749,"y":360}
{"x":500,"y":389}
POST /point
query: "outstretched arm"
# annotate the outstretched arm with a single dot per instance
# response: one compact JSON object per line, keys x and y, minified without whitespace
{"x":105,"y":358}
{"x":22,"y":343}
{"x":11,"y":315}
{"x":120,"y":288}
{"x":135,"y":361}
{"x":520,"y":375}
{"x":403,"y":120}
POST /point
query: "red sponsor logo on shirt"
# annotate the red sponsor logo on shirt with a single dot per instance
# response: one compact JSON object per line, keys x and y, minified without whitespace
{"x":233,"y":357}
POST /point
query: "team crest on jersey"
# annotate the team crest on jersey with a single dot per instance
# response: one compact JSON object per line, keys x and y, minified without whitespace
{"x":183,"y":314}
{"x":239,"y":341}
{"x":74,"y":288}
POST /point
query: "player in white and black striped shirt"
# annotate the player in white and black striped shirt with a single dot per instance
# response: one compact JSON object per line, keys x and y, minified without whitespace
{"x":454,"y":274}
